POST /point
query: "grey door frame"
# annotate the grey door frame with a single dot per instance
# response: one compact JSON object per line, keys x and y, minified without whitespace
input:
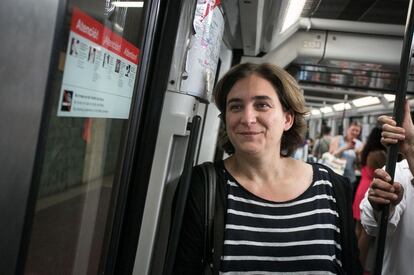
{"x":27,"y":56}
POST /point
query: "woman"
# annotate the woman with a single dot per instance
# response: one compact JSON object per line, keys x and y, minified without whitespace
{"x":373,"y":156}
{"x":279,"y":214}
{"x":348,"y":147}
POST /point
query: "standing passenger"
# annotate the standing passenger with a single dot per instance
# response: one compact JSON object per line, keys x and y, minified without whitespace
{"x":373,"y":156}
{"x":322,"y":144}
{"x":399,"y":245}
{"x":277,"y":214}
{"x":348,"y":147}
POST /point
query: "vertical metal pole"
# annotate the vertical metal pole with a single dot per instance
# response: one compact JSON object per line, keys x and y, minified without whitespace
{"x":342,"y":130}
{"x":321,"y":124}
{"x":398,"y":115}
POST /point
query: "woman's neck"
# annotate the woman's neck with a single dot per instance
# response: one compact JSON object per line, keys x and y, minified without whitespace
{"x":275,"y":180}
{"x":264,"y":167}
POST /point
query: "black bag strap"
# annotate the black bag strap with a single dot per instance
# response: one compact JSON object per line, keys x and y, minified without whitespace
{"x":209,"y":173}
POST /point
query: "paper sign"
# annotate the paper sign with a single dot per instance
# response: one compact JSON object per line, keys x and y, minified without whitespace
{"x":99,"y":73}
{"x":203,"y":55}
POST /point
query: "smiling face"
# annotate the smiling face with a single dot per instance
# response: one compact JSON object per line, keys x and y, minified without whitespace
{"x":255,"y":120}
{"x":353,"y":132}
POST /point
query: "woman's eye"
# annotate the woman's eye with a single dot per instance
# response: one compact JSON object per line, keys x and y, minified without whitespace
{"x":262,"y":106}
{"x":235,"y":107}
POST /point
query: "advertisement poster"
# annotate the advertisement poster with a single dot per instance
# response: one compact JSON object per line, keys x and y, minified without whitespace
{"x":100,"y":70}
{"x":203,"y":55}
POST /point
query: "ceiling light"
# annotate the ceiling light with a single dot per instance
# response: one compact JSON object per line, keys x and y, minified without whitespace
{"x":292,"y":15}
{"x":389,"y":97}
{"x":342,"y":106}
{"x":315,"y":112}
{"x":365,"y":101}
{"x":128,"y":4}
{"x":326,"y":110}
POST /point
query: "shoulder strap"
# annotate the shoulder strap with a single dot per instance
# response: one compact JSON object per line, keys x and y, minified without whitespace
{"x":215,"y":205}
{"x":219,"y":216}
{"x":209,"y":174}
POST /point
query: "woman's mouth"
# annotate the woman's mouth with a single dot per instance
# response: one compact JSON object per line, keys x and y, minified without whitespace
{"x":249,"y":133}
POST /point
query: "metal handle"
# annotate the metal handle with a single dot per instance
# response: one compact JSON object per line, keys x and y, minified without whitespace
{"x":182,"y":191}
{"x":398,"y":114}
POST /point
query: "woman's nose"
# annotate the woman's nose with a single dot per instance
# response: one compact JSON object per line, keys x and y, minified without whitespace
{"x":249,"y":115}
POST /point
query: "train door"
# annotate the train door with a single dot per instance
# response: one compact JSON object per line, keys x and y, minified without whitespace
{"x":199,"y":57}
{"x":82,"y":87}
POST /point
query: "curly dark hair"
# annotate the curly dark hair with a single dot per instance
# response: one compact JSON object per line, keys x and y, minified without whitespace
{"x":288,"y":92}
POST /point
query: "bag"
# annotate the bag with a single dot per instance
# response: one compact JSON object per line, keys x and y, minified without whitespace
{"x":209,"y":175}
{"x":336,"y":164}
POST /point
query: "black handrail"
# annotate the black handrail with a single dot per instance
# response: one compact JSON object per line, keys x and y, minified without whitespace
{"x":181,"y":196}
{"x":398,"y":115}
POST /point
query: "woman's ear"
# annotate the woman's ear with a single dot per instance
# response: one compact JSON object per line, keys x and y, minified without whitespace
{"x":289,"y":119}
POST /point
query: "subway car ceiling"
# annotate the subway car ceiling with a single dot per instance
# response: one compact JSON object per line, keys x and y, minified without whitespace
{"x":344,"y":53}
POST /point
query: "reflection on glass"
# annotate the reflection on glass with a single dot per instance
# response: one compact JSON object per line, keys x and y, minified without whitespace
{"x":82,"y":156}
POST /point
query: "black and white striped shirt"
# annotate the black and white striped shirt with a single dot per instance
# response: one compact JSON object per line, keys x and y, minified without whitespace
{"x":300,"y":236}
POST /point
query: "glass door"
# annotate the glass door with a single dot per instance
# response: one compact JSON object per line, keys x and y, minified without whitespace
{"x":91,"y":99}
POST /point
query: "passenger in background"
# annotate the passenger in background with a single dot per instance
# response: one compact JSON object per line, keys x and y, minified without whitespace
{"x":348,"y":147}
{"x":311,"y":143}
{"x":373,"y":156}
{"x":322,"y":144}
{"x":274,"y":214}
{"x":399,"y":245}
{"x":301,"y":153}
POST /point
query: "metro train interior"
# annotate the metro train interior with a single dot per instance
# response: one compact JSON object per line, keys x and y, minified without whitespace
{"x":93,"y":156}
